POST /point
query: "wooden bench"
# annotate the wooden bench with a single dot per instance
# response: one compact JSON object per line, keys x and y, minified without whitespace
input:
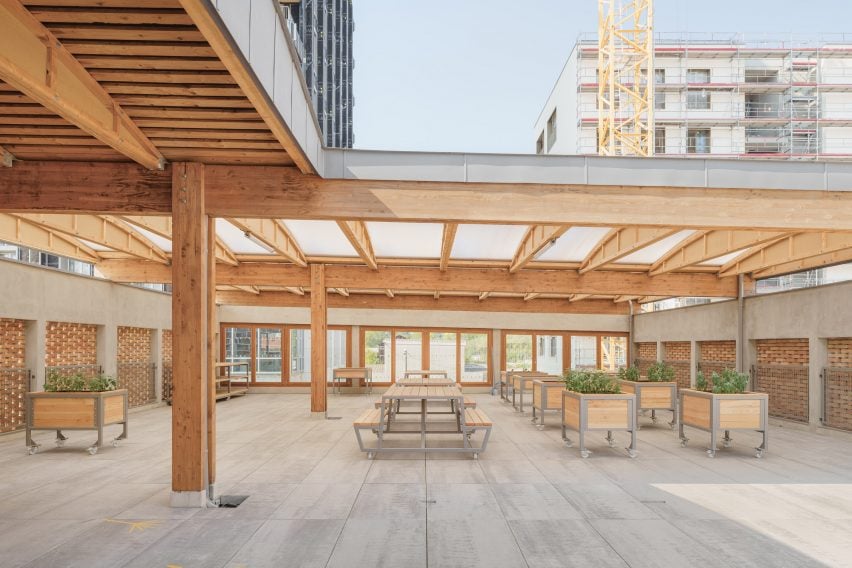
{"x":370,"y":419}
{"x":474,"y":421}
{"x":468,"y":403}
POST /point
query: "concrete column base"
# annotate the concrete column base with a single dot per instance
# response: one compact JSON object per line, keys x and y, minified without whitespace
{"x":319,"y":415}
{"x":189,"y":499}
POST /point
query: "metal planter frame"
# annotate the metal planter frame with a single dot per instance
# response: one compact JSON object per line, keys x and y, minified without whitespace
{"x":717,"y":419}
{"x":584,"y":400}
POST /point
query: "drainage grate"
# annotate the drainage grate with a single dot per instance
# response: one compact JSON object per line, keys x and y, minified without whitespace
{"x":232,"y":501}
{"x":333,"y":417}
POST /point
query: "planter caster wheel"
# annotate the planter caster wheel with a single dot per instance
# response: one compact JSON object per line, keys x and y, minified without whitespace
{"x":370,"y":455}
{"x":32,"y":450}
{"x":476,"y":455}
{"x":92,"y":450}
{"x":684,"y":442}
{"x":115,"y":443}
{"x":653,"y":420}
{"x":758,"y":453}
{"x":727,"y":443}
{"x":568,"y":443}
{"x":711,"y":453}
{"x":59,"y":442}
{"x":672,"y":425}
{"x":632,"y":453}
{"x":540,"y":426}
{"x":585,"y":454}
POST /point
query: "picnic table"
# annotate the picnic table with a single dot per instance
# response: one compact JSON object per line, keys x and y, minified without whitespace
{"x":424,"y":374}
{"x":363,"y":374}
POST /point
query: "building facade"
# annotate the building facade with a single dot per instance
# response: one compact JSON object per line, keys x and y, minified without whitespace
{"x":720,"y":96}
{"x":322,"y":31}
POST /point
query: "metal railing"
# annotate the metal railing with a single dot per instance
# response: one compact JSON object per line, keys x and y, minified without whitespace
{"x":785,"y":385}
{"x":14,"y":383}
{"x":837,"y":397}
{"x":140,"y":380}
{"x":167,"y":381}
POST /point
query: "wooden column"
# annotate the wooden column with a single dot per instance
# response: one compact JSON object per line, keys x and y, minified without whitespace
{"x":189,"y":329}
{"x":211,"y":355}
{"x":319,"y":329}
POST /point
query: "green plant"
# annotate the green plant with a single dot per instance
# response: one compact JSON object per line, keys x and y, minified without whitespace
{"x":701,"y":382}
{"x":660,"y":372}
{"x":591,"y":382}
{"x":729,"y":381}
{"x":629,"y":373}
{"x":77,"y":382}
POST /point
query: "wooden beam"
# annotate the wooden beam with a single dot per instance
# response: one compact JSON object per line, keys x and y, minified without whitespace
{"x":818,"y":261}
{"x":212,"y":343}
{"x":20,"y":231}
{"x":621,"y":242}
{"x":536,"y":239}
{"x":189,"y":336}
{"x":284,"y":193}
{"x":358,"y":236}
{"x":707,"y":245}
{"x":273,"y":234}
{"x":578,"y":297}
{"x":249,"y":289}
{"x":447,"y":241}
{"x":299,"y":291}
{"x":209,"y":23}
{"x":426,"y":302}
{"x":34,"y":62}
{"x":790,"y":248}
{"x":319,"y":332}
{"x":470,"y":280}
{"x":106,"y":231}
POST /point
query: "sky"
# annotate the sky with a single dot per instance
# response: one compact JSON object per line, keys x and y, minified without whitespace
{"x":472,"y":75}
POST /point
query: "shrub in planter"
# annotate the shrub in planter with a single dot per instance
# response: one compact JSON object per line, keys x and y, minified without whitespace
{"x":593,"y":401}
{"x":660,"y":372}
{"x":629,"y":373}
{"x":57,"y":382}
{"x":725,"y":405}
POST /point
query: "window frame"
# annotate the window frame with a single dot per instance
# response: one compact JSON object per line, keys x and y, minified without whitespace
{"x":566,"y":344}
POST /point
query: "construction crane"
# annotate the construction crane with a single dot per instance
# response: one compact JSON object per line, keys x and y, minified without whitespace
{"x":626,"y":77}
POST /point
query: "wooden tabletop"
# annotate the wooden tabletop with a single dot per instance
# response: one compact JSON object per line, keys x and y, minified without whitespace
{"x":423,"y":392}
{"x":421,"y":382}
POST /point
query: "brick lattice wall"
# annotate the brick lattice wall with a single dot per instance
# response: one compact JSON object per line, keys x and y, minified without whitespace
{"x":782,"y":372}
{"x":715,"y":356}
{"x":71,"y":344}
{"x":14,"y":380}
{"x":838,"y":384}
{"x":135,"y":371}
{"x":166,"y":351}
{"x":646,"y":353}
{"x":678,"y":355}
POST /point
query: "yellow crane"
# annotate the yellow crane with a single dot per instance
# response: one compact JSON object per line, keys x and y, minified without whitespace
{"x":626,"y":77}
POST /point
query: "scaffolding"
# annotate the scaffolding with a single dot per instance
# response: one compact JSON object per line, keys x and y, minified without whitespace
{"x":625,"y":93}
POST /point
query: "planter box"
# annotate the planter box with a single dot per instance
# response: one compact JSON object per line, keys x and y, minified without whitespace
{"x":507,"y":381}
{"x":609,"y":412}
{"x":522,"y":384}
{"x":547,"y":395}
{"x":653,"y":396}
{"x":75,"y":411}
{"x":724,"y":412}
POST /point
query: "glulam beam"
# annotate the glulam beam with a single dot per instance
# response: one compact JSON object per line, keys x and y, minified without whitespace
{"x":448,"y":238}
{"x":534,"y":241}
{"x":358,"y":236}
{"x":787,"y":249}
{"x":707,"y":245}
{"x":272,"y":234}
{"x":621,"y":242}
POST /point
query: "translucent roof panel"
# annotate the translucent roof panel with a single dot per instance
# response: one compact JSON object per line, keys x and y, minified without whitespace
{"x":487,"y":242}
{"x":320,"y":238}
{"x":236,"y":240}
{"x":94,"y":246}
{"x":164,"y":244}
{"x":406,"y":240}
{"x":653,"y":253}
{"x":575,"y":244}
{"x":720,"y":260}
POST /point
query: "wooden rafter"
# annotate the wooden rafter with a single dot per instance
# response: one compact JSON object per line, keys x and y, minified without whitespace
{"x":818,"y":261}
{"x":578,"y":297}
{"x":473,"y":281}
{"x":33,"y":61}
{"x":107,"y":231}
{"x":621,"y":242}
{"x":535,"y":240}
{"x":297,"y":290}
{"x":447,"y":240}
{"x":793,"y":247}
{"x":342,"y":291}
{"x":273,"y":234}
{"x":23,"y":232}
{"x":531,"y":296}
{"x":358,"y":236}
{"x":249,"y":289}
{"x":484,"y":295}
{"x":162,"y":226}
{"x":707,"y":245}
{"x":210,"y":26}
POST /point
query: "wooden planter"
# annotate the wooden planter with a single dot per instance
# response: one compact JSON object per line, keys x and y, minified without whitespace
{"x":589,"y":412}
{"x":75,"y":411}
{"x":653,"y":396}
{"x":547,"y":395}
{"x":724,"y":412}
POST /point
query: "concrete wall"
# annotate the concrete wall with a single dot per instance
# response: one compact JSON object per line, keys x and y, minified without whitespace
{"x":815,"y":314}
{"x":39,"y":295}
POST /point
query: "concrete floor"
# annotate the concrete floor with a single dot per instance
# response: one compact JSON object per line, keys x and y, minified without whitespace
{"x":529,"y":501}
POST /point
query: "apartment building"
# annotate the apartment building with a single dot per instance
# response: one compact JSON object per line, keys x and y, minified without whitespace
{"x":721,"y":95}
